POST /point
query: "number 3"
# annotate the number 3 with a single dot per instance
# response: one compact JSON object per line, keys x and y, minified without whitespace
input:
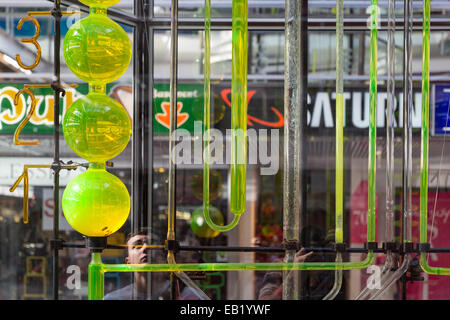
{"x":32,"y":40}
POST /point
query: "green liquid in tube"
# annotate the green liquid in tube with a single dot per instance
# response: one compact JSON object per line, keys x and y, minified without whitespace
{"x":238,"y":170}
{"x":239,"y":108}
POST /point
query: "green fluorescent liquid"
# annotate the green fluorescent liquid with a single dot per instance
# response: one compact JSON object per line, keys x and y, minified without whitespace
{"x":424,"y":143}
{"x":238,"y":114}
{"x":373,"y":121}
{"x":239,"y":108}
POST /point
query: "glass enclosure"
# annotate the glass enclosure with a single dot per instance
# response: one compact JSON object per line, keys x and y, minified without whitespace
{"x":27,"y":259}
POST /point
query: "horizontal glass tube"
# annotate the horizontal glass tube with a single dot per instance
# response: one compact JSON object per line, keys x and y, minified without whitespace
{"x":277,"y":266}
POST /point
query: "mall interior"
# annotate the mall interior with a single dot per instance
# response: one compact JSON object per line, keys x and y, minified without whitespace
{"x":341,"y":184}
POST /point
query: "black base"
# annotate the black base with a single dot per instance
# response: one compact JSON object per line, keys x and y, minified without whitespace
{"x":96,"y":244}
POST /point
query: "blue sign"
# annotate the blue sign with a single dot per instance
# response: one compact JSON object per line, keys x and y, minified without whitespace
{"x":441,"y":109}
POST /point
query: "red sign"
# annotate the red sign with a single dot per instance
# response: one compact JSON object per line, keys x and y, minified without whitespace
{"x":358,"y":213}
{"x":434,"y":287}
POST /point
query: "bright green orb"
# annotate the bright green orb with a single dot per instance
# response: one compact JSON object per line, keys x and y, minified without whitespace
{"x":96,"y":127}
{"x":100,"y":3}
{"x":96,"y":203}
{"x":199,"y":225}
{"x":96,"y":49}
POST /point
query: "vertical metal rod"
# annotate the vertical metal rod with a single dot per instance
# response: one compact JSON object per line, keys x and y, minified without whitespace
{"x":56,"y":88}
{"x":303,"y":117}
{"x":142,"y":125}
{"x":173,"y":125}
{"x":292,"y":169}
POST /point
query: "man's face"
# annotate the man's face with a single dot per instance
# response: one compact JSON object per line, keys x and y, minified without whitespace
{"x":137,"y":249}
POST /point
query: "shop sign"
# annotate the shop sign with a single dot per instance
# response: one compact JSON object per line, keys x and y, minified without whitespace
{"x":358,"y":213}
{"x":434,"y":287}
{"x":265,"y":107}
{"x":440,"y":120}
{"x":12,"y":167}
{"x":48,"y":205}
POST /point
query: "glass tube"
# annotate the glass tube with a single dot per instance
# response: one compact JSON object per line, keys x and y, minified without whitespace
{"x":424,"y":142}
{"x":239,"y":107}
{"x":372,"y":122}
{"x":390,"y":123}
{"x":339,"y":188}
{"x":407,"y":118}
{"x":389,"y":232}
{"x":238,"y":114}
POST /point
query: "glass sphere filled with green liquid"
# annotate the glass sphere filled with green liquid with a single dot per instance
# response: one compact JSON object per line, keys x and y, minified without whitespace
{"x":96,"y":203}
{"x":96,"y":127}
{"x":97,"y":49}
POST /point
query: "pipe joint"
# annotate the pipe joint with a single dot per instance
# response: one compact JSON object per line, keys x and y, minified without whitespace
{"x":290,"y":245}
{"x":390,"y":246}
{"x":423,"y":247}
{"x":96,"y":244}
{"x":57,"y":244}
{"x":172,"y":245}
{"x":371,"y":246}
{"x":407,"y":247}
{"x":56,"y":13}
{"x":340,"y":247}
{"x":56,"y":86}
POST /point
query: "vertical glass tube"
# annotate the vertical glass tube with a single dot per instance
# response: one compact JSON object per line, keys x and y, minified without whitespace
{"x":389,"y":232}
{"x":407,"y":125}
{"x":424,"y":142}
{"x":173,"y":118}
{"x":425,"y":123}
{"x":206,"y":107}
{"x":239,"y":108}
{"x":207,"y":128}
{"x":339,"y":187}
{"x":96,"y":279}
{"x":390,"y":123}
{"x":373,"y":120}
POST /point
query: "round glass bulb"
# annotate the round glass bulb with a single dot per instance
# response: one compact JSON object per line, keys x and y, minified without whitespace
{"x":96,"y":127}
{"x":96,"y":203}
{"x":100,"y":3}
{"x":199,"y":225}
{"x":97,"y":49}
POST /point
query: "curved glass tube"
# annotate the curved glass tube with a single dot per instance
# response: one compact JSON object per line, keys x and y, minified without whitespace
{"x":339,"y":188}
{"x":337,"y":281}
{"x":424,"y":142}
{"x":238,"y":114}
{"x":187,"y":281}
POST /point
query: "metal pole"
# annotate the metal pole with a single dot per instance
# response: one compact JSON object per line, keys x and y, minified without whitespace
{"x":56,"y":85}
{"x":173,"y":125}
{"x":294,"y":156}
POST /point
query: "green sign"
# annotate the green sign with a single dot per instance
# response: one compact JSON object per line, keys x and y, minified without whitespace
{"x":189,"y":108}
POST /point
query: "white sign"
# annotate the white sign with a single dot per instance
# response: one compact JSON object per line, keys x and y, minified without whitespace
{"x":11,"y":168}
{"x":48,"y":205}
